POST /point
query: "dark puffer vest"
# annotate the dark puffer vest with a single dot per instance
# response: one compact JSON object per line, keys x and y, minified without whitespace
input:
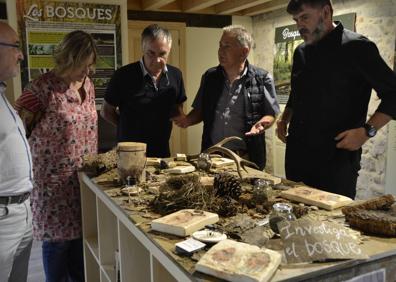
{"x":259,"y":101}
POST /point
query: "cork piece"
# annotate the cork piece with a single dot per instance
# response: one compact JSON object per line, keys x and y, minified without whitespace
{"x":373,"y":216}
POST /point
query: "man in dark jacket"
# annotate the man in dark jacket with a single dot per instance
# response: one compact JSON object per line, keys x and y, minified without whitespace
{"x":334,"y":72}
{"x":235,"y":99}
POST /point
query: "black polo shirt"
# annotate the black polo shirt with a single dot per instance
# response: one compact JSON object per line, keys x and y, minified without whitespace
{"x":145,"y":110}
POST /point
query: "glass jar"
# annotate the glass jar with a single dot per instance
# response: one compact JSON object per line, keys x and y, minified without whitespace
{"x":280,"y":212}
{"x":204,"y":162}
{"x":262,"y":191}
{"x":130,"y":181}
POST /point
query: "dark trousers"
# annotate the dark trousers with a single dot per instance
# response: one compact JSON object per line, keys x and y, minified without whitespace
{"x":331,"y":170}
{"x":63,"y":261}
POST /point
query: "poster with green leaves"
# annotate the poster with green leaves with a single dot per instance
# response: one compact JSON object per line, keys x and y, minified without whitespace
{"x":287,"y":38}
{"x":43,"y":24}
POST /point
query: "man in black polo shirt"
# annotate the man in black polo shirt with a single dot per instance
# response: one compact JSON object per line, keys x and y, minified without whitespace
{"x":334,"y":72}
{"x":142,"y":97}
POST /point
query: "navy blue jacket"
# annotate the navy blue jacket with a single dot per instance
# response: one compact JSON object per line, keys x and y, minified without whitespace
{"x":259,"y":100}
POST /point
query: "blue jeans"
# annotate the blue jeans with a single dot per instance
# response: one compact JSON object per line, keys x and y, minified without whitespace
{"x":63,"y":261}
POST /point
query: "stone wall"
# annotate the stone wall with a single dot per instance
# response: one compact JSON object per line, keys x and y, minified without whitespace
{"x":377,"y":21}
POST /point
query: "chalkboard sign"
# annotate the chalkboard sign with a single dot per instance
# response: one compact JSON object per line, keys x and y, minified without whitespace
{"x":307,"y":240}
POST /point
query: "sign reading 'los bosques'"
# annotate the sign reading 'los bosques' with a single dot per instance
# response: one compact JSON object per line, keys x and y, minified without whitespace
{"x":60,"y":11}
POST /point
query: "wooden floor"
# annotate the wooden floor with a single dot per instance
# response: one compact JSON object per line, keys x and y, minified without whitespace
{"x":36,"y":270}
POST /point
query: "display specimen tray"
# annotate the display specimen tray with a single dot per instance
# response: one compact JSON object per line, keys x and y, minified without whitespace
{"x":235,"y":261}
{"x":316,"y":197}
{"x":184,"y":222}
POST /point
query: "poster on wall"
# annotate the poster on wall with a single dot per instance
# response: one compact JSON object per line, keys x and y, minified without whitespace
{"x":287,"y":38}
{"x":43,"y":24}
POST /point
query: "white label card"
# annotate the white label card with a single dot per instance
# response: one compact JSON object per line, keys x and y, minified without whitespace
{"x":190,"y":245}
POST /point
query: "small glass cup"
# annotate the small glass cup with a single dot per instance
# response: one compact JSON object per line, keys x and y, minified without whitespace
{"x":280,"y":212}
{"x":130,"y":181}
{"x":262,"y":191}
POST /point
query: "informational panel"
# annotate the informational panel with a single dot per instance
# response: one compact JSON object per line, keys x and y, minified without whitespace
{"x":43,"y":24}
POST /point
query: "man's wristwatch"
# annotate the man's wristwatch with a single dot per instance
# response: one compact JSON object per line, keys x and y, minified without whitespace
{"x":370,"y":130}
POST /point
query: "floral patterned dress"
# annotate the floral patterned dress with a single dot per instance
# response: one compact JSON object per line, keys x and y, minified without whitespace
{"x":65,"y":131}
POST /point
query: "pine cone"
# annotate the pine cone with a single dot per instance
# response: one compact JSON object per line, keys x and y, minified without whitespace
{"x":227,"y":185}
{"x":227,"y":207}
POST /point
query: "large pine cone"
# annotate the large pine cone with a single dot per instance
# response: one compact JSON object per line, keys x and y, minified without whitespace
{"x":227,"y":185}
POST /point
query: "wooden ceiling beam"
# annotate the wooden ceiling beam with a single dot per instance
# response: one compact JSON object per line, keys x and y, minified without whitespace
{"x":154,"y":4}
{"x":233,"y":6}
{"x":196,"y":5}
{"x":172,"y":7}
{"x":134,"y":5}
{"x":265,"y":8}
{"x":219,"y":7}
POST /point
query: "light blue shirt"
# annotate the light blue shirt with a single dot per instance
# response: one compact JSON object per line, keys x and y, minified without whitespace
{"x":15,"y":159}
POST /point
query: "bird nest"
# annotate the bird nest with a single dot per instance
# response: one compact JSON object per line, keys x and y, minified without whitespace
{"x":186,"y":191}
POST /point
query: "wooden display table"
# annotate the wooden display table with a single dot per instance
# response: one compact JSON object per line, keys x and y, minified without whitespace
{"x":116,"y":238}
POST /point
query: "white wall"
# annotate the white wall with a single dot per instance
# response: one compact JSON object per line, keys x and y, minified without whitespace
{"x":201,"y":54}
{"x":248,"y":24}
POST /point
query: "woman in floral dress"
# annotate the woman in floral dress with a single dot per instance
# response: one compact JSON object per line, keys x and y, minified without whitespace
{"x":58,"y":109}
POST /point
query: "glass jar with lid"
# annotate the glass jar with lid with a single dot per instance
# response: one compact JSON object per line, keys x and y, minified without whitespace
{"x":280,"y":212}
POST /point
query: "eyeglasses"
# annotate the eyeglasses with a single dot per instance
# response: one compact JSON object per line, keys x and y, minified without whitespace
{"x":10,"y":45}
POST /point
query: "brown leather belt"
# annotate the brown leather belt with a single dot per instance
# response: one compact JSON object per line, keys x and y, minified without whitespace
{"x":17,"y":199}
